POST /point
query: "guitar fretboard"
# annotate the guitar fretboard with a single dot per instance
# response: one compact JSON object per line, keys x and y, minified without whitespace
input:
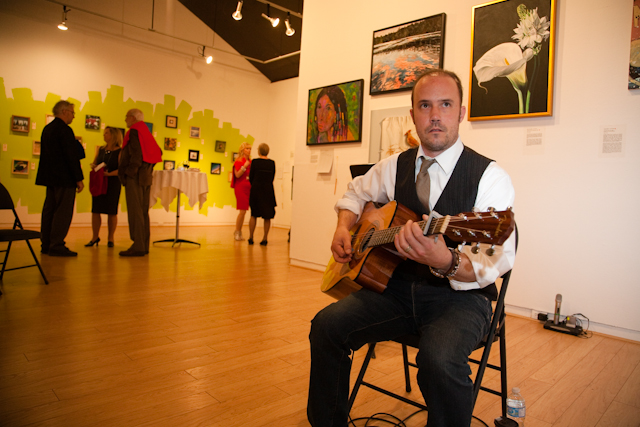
{"x":386,"y":236}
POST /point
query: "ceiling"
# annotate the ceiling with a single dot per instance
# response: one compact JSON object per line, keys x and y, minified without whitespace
{"x":253,"y":36}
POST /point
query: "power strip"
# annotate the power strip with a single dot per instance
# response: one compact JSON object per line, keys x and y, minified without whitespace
{"x":562,"y":327}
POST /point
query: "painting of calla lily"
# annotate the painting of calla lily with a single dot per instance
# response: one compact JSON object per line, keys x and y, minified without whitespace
{"x":512,"y":61}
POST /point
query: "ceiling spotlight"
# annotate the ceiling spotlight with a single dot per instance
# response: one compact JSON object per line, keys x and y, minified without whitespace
{"x":208,"y":59}
{"x":274,"y":21}
{"x":237,"y":15}
{"x":290,"y":31}
{"x":63,"y":24}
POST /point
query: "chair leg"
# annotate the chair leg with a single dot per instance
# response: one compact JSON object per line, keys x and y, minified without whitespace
{"x":356,"y":386}
{"x":503,"y":370}
{"x":405,"y":360}
{"x":35,"y":258}
{"x":6,"y":257}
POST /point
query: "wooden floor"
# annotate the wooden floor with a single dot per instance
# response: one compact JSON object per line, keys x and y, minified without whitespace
{"x":217,"y":336}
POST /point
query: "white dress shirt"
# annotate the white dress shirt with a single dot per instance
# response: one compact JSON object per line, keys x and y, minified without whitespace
{"x":494,"y":190}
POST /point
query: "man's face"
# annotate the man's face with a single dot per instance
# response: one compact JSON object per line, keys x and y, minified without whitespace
{"x":68,"y":114}
{"x":129,"y":119}
{"x":437,"y":113}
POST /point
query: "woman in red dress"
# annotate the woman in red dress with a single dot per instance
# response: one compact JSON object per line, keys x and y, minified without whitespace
{"x":241,"y":185}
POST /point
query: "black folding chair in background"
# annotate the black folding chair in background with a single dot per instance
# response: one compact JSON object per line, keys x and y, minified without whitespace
{"x":16,"y":233}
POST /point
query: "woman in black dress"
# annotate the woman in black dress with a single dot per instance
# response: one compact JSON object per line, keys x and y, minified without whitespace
{"x":262,"y":199}
{"x":107,"y":203}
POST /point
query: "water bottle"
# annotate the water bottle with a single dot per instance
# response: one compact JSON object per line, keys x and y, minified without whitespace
{"x":516,"y":408}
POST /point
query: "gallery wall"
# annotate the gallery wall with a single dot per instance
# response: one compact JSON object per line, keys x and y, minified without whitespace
{"x":571,"y":199}
{"x":105,"y":68}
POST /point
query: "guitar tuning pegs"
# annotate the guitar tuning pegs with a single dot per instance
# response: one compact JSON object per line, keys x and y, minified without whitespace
{"x":477,"y":215}
{"x":492,"y":212}
{"x":463,"y":216}
{"x":476,"y":248}
{"x":461,"y":245}
{"x":491,"y":250}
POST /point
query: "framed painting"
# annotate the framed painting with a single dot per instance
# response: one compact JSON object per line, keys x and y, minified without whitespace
{"x":404,"y":52}
{"x":36,"y":148}
{"x":92,"y":122}
{"x":194,"y":132}
{"x":194,"y":155}
{"x":49,"y":118}
{"x":335,"y":113}
{"x":216,"y":168}
{"x":172,"y":122}
{"x":170,"y":144}
{"x":234,"y":157}
{"x":512,"y":57}
{"x":220,"y":146}
{"x":149,"y":125}
{"x":169,"y":165}
{"x":20,"y":167}
{"x":20,"y":124}
{"x":634,"y":55}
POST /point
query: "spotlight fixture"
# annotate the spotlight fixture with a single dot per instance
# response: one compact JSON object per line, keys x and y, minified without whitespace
{"x":63,"y":24}
{"x":290,"y":31}
{"x":267,"y":16}
{"x":237,"y":15}
{"x":208,"y":59}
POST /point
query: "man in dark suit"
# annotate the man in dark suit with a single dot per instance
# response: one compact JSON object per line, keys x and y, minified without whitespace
{"x":60,"y":171}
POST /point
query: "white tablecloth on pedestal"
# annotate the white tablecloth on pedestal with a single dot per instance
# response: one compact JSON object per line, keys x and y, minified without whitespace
{"x":166,"y":184}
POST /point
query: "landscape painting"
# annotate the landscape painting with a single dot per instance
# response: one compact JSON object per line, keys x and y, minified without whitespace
{"x":404,"y":52}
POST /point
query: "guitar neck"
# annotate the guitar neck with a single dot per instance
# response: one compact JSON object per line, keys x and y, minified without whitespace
{"x":386,"y":236}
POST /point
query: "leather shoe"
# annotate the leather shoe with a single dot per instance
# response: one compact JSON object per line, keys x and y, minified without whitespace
{"x":129,"y":252}
{"x":110,"y":244}
{"x":63,"y":252}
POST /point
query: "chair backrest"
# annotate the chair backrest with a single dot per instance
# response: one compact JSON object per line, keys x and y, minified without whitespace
{"x":6,"y":202}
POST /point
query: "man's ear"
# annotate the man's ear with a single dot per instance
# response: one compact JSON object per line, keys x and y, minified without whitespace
{"x":463,"y":112}
{"x":412,"y":119}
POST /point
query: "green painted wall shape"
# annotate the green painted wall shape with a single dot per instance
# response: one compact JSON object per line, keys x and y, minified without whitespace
{"x":112,"y":111}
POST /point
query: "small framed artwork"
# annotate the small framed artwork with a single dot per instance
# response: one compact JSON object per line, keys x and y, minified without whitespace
{"x":216,"y":168}
{"x":634,"y":55}
{"x":404,"y":52}
{"x":149,"y":125}
{"x":170,"y":144}
{"x":123,"y":132}
{"x":194,"y":155}
{"x":36,"y":148}
{"x":194,"y":132}
{"x":20,"y":124}
{"x":335,"y":113}
{"x":512,"y":55}
{"x":172,"y":122}
{"x":49,"y":118}
{"x":234,"y":157}
{"x":92,"y":122}
{"x":20,"y":167}
{"x":169,"y":165}
{"x":220,"y":146}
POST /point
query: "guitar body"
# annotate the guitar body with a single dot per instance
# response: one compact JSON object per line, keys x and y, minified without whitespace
{"x":370,"y":267}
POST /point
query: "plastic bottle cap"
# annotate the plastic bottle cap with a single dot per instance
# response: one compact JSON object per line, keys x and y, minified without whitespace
{"x":516,"y":390}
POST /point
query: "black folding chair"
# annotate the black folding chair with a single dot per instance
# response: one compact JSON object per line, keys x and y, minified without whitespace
{"x":16,"y":233}
{"x":496,"y":333}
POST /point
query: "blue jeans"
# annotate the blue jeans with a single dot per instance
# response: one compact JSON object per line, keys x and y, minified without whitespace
{"x":450,"y":323}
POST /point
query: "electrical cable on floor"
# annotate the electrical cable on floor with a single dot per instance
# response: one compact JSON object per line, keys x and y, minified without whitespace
{"x":586,"y":333}
{"x":395,"y":422}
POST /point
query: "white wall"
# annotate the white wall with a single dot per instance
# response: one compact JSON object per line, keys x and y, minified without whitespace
{"x":574,"y":207}
{"x":97,"y":53}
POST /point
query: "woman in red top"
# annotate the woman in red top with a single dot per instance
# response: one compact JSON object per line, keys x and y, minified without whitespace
{"x":242,"y":186}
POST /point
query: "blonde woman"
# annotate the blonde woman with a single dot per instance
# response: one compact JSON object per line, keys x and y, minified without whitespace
{"x":241,"y":186}
{"x":107,"y":203}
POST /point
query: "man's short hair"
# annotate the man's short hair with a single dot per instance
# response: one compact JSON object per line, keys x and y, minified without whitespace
{"x":139,"y":115}
{"x":263,"y":149}
{"x":439,"y":72}
{"x":60,"y":107}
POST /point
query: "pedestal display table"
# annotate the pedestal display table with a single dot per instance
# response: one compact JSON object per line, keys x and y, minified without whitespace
{"x":169,"y":184}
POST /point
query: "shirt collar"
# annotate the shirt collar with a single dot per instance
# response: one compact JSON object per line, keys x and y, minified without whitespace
{"x":447,"y":160}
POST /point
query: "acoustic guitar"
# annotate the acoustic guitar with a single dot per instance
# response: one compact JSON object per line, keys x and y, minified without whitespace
{"x":374,"y":256}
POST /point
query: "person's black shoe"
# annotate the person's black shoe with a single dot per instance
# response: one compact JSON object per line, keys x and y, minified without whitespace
{"x":110,"y":244}
{"x":44,"y":251}
{"x":93,"y":242}
{"x":263,"y":243}
{"x":129,"y":252}
{"x":250,"y":241}
{"x":66,"y":252}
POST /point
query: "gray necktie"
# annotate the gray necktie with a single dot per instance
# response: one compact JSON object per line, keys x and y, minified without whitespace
{"x":423,"y":182}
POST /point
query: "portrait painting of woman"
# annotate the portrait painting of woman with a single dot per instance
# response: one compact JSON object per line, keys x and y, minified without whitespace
{"x":335,"y":113}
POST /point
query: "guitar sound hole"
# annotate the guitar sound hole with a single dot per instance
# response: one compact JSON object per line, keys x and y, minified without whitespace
{"x":366,"y":240}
